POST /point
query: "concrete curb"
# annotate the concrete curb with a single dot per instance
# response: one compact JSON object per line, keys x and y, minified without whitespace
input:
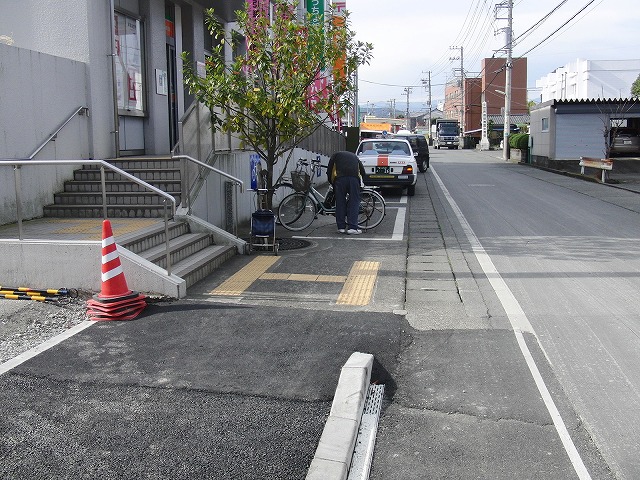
{"x":335,"y":449}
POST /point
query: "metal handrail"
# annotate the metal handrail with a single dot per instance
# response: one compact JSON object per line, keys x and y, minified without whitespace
{"x":17,"y":163}
{"x":186,"y":188}
{"x":55,"y":133}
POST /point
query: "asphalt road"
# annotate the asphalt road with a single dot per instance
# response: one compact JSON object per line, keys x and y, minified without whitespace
{"x":569,"y":252}
{"x":238,"y":383}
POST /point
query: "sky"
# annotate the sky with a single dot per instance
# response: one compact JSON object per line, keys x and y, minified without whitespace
{"x":413,"y":37}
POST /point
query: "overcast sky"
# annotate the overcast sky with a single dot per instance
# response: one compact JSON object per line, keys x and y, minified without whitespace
{"x":413,"y":37}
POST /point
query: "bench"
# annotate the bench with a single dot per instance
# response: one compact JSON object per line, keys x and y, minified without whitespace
{"x":603,"y":164}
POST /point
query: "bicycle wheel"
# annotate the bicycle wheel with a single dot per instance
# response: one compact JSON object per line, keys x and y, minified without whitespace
{"x":280,"y":192}
{"x":372,"y":209}
{"x":297,"y":211}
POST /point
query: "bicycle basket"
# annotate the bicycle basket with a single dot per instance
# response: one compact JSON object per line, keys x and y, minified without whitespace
{"x":301,"y":180}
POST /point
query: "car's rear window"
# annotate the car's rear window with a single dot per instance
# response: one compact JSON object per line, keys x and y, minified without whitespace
{"x":383,"y":148}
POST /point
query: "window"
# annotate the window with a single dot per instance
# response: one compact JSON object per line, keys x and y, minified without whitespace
{"x":545,"y":124}
{"x":211,"y":43}
{"x":239,"y":44}
{"x":129,"y":61}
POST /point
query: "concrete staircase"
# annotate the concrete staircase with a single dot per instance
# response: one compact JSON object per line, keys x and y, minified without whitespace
{"x":193,"y":255}
{"x":82,"y":197}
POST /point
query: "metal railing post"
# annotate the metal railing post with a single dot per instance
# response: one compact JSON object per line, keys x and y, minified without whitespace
{"x":166,"y":237}
{"x":103,"y":184}
{"x":18,"y":182}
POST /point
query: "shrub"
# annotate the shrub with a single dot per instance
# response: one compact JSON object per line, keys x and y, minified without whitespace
{"x":519,"y":141}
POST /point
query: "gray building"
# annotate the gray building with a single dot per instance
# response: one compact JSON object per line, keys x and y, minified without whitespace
{"x":110,"y":71}
{"x":565,"y":130}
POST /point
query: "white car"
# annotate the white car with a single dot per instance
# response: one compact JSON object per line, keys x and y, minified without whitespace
{"x":388,"y":162}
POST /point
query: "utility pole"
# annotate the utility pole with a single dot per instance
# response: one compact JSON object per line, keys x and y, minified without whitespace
{"x":392,"y":112}
{"x":462,"y":99}
{"x":428,"y":80}
{"x":507,"y":82}
{"x":407,"y":92}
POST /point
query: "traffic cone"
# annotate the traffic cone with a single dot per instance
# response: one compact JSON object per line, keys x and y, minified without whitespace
{"x":115,"y":301}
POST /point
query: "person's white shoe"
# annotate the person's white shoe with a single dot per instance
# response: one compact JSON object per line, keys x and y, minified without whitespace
{"x":354,"y":231}
{"x":342,"y":230}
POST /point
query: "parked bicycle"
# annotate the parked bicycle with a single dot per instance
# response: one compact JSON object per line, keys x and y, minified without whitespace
{"x":298,"y":210}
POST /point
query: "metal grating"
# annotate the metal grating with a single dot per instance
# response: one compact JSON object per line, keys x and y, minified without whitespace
{"x":363,"y":451}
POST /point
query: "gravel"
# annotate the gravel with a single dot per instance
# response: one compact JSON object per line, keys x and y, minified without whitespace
{"x":25,"y":324}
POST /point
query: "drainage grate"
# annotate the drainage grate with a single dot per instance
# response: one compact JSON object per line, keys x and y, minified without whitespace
{"x":292,"y":243}
{"x":286,"y":243}
{"x":363,"y":452}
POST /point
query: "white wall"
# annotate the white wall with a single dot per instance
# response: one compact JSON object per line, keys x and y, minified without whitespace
{"x":589,"y":79}
{"x":45,"y":91}
{"x":54,"y":27}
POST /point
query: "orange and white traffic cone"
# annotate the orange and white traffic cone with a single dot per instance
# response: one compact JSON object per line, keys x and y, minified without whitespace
{"x":115,"y":301}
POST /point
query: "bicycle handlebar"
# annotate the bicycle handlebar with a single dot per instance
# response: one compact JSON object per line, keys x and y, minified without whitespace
{"x":315,"y":163}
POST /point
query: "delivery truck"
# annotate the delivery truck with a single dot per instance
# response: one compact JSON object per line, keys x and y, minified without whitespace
{"x":447,"y":133}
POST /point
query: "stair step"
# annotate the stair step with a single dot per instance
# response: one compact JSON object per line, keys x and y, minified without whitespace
{"x":113,"y":211}
{"x":203,"y":256}
{"x":118,"y":186}
{"x":158,"y":174}
{"x":140,"y":241}
{"x":114,"y":198}
{"x":133,"y":163}
{"x":179,"y":248}
{"x":200,"y":265}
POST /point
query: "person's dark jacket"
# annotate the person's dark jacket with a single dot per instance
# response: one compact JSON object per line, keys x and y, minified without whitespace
{"x":344,"y":164}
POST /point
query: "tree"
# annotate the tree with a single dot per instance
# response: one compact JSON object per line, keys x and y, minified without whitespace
{"x":635,"y":87}
{"x":287,"y":84}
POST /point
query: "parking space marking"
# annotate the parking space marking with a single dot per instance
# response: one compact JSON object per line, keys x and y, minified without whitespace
{"x":396,"y":236}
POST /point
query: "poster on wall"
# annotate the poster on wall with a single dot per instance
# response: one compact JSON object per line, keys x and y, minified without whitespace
{"x":128,"y":41}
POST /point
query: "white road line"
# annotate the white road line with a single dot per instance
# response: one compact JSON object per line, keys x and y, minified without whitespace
{"x":520,"y":323}
{"x":397,"y":235}
{"x":23,"y":357}
{"x":398,"y":227}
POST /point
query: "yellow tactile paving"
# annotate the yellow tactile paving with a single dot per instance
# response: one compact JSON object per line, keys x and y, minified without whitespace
{"x":358,"y":288}
{"x":300,"y":277}
{"x":75,"y":228}
{"x":303,"y":277}
{"x":243,"y":279}
{"x":92,"y":228}
{"x":331,"y":278}
{"x":275,"y":276}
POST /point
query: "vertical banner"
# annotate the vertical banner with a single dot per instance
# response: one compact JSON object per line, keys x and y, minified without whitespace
{"x":256,"y":167}
{"x":318,"y":89}
{"x":339,"y":21}
{"x":255,"y":10}
{"x":316,"y":9}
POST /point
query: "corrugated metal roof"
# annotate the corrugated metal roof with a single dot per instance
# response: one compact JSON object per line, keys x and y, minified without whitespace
{"x":517,"y":118}
{"x":587,"y":102}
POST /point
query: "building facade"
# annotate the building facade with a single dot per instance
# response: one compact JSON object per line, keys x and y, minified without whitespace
{"x":489,"y":86}
{"x":116,"y":62}
{"x":589,"y":79}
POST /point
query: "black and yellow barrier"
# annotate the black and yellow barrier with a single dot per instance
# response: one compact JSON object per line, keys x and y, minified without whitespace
{"x":41,"y":295}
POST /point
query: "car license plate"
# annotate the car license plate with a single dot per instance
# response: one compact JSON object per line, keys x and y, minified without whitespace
{"x":627,"y":142}
{"x":382,"y":169}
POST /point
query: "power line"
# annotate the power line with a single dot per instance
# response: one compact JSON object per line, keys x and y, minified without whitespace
{"x":560,"y":27}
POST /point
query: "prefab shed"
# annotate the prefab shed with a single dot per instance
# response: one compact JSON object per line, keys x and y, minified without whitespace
{"x":565,"y":130}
